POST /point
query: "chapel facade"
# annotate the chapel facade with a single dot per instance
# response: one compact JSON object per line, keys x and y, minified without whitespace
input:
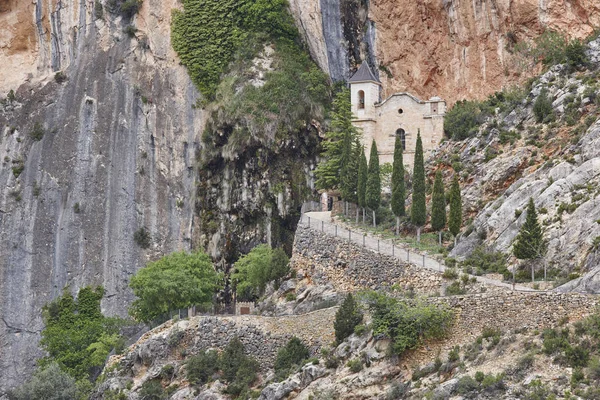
{"x":401,"y":114}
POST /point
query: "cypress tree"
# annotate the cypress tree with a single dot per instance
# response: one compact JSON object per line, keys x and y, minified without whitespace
{"x":362,"y":182}
{"x":346,"y":318}
{"x":418,"y":210}
{"x":455,"y":217}
{"x":438,"y":206}
{"x":398,"y":189}
{"x":529,"y":243}
{"x":373,"y":193}
{"x":328,"y":172}
{"x":353,"y":171}
{"x":345,"y":182}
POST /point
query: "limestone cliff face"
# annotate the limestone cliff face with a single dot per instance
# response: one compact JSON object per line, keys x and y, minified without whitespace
{"x":117,"y":153}
{"x":451,"y":48}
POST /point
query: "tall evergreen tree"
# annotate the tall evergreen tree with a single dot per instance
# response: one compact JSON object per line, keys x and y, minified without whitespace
{"x":346,"y":318}
{"x":398,"y":188}
{"x":328,"y":172}
{"x":349,"y":177}
{"x":373,"y":193}
{"x":418,"y":210}
{"x":362,"y":182}
{"x":345,"y":182}
{"x":438,"y":206}
{"x":455,"y":217}
{"x":529,"y":243}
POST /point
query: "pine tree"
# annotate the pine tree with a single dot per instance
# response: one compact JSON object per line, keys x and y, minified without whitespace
{"x":362,"y":182}
{"x":455,"y":217}
{"x":529,"y":243}
{"x":345,"y":185}
{"x":398,"y":189}
{"x":373,"y":193}
{"x":438,"y":206}
{"x":328,"y":172}
{"x":347,"y":317}
{"x":418,"y":211}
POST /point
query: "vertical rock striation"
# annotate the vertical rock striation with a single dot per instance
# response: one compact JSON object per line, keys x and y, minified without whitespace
{"x":117,"y":153}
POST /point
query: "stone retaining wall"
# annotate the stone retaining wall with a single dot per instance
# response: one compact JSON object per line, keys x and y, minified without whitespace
{"x":348,"y":266}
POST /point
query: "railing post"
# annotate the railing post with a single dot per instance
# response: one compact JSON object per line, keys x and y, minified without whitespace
{"x":322,"y":226}
{"x":407,"y":255}
{"x":349,"y":235}
{"x":393,"y":248}
{"x":309,"y":222}
{"x":423,"y":260}
{"x":336,"y":231}
{"x":378,"y":245}
{"x":364,"y":239}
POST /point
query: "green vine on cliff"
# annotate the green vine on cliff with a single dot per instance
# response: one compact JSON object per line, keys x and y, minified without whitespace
{"x":207,"y":34}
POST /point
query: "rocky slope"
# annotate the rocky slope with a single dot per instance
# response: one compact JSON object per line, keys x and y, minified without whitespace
{"x":513,"y":158}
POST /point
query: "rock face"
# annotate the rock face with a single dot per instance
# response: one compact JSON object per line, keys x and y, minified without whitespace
{"x":118,"y":147}
{"x":453,"y":49}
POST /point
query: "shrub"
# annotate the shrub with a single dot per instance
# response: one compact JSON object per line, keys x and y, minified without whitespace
{"x":464,"y":119}
{"x":577,"y":356}
{"x":201,"y":367}
{"x":60,"y":77}
{"x":408,"y":325}
{"x":37,"y":133}
{"x":479,"y":376}
{"x":355,"y":365}
{"x":485,"y":259}
{"x":130,"y":7}
{"x":98,"y":9}
{"x":360,"y":329}
{"x":142,"y":237}
{"x":450,"y":273}
{"x":594,"y":369}
{"x":254,"y":270}
{"x":293,"y":354}
{"x":347,"y":317}
{"x":466,"y":385}
{"x":49,"y":383}
{"x":130,"y":30}
{"x":455,"y":289}
{"x":175,"y":337}
{"x":178,"y":280}
{"x":542,"y":107}
{"x":454,"y":355}
{"x":152,"y":390}
{"x":575,"y":54}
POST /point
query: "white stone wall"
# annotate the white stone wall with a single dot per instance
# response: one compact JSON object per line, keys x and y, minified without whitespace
{"x":383,"y":120}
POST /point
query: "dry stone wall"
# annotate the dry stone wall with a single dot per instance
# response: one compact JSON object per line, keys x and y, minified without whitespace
{"x":349,"y":267}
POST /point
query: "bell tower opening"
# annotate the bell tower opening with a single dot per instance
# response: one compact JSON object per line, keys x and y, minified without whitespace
{"x":361,"y":99}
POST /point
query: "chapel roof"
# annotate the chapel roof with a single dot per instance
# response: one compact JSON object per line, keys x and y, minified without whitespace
{"x":364,"y":74}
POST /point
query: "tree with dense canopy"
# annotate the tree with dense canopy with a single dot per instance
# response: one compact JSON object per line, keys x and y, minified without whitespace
{"x":373,"y":193}
{"x":254,"y":270}
{"x":398,"y":188}
{"x":347,"y":317}
{"x":178,"y":280}
{"x":418,"y":210}
{"x":438,"y":206}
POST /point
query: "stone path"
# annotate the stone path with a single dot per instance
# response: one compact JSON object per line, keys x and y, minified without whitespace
{"x":322,"y":221}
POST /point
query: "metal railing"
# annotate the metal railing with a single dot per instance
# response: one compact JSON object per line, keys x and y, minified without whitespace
{"x":391,"y":248}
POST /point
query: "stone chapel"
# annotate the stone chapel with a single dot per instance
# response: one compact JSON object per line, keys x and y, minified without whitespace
{"x":400,"y":114}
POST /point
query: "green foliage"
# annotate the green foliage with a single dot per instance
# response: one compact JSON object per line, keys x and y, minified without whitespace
{"x":337,"y":146}
{"x":355,"y":365}
{"x":529,"y":243}
{"x":553,"y":48}
{"x":418,"y":211}
{"x":153,"y":390}
{"x":542,"y":107}
{"x":362,"y":179}
{"x":254,"y":270}
{"x":408,"y":325}
{"x":398,"y":186}
{"x":178,"y":280}
{"x":347,"y":317}
{"x":455,"y":217}
{"x":142,"y":237}
{"x":293,"y":354}
{"x":438,"y":207}
{"x":98,"y":9}
{"x":38,"y":132}
{"x":201,"y":367}
{"x":208,"y":33}
{"x":464,"y":119}
{"x":373,"y":191}
{"x":77,"y":337}
{"x":237,"y":368}
{"x":485,"y":260}
{"x":350,"y":166}
{"x":466,"y":385}
{"x":49,"y":383}
{"x":455,"y":289}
